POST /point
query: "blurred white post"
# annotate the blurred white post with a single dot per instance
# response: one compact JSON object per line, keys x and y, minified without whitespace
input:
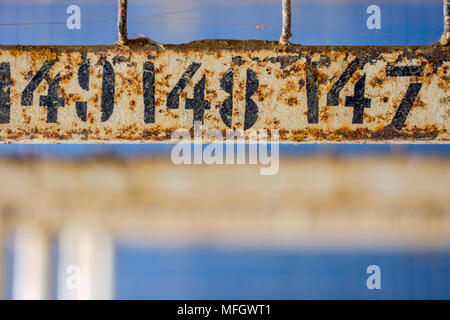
{"x":86,"y":263}
{"x":2,"y":258}
{"x":31,"y":262}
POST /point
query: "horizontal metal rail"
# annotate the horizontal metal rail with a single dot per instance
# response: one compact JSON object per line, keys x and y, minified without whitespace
{"x":139,"y":90}
{"x":312,"y":201}
{"x":145,"y":93}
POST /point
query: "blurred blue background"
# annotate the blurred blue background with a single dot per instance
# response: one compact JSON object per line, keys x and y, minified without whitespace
{"x":320,"y":22}
{"x":211,"y":273}
{"x":203,"y":272}
{"x":226,"y":273}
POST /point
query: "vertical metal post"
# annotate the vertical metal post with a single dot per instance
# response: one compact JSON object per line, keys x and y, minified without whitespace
{"x":31,"y":262}
{"x":445,"y":40}
{"x":86,"y":262}
{"x":286,"y":28}
{"x":122,"y":21}
{"x":2,"y":257}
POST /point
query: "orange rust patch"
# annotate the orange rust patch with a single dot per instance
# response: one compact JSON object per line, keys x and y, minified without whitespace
{"x":292,"y":101}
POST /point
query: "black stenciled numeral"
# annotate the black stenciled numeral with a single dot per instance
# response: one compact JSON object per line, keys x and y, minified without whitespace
{"x":5,"y":90}
{"x":413,"y":91}
{"x":52,"y":101}
{"x":108,"y":91}
{"x":251,"y":109}
{"x":173,"y":100}
{"x":358,"y":101}
{"x":199,"y":104}
{"x":27,"y":94}
{"x":83,"y":81}
{"x":312,"y":97}
{"x":333,"y":94}
{"x":404,"y":71}
{"x":226,"y":109}
{"x":149,"y":92}
{"x":312,"y":88}
{"x":405,"y":107}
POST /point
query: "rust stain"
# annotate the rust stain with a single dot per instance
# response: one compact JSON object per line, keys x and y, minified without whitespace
{"x":263,"y":83}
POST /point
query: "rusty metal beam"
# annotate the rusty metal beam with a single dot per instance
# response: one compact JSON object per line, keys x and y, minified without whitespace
{"x":135,"y":90}
{"x":143,"y":92}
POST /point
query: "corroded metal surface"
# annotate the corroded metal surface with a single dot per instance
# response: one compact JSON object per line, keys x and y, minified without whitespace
{"x":144,"y":92}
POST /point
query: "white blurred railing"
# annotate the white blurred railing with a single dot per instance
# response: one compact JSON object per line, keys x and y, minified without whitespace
{"x":325,"y":202}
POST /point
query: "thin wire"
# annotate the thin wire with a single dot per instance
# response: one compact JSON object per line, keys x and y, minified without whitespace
{"x":258,"y":26}
{"x":163,"y":14}
{"x":362,"y":32}
{"x":158,"y":15}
